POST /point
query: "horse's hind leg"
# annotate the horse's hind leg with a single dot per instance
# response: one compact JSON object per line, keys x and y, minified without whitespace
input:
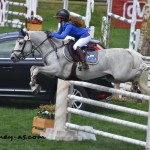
{"x":143,"y":83}
{"x":140,"y":85}
{"x":34,"y":86}
{"x":135,"y":89}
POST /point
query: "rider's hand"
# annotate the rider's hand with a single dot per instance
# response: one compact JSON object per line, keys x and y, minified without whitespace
{"x":49,"y":34}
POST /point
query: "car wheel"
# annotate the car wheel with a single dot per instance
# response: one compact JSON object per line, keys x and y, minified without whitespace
{"x":79,"y":91}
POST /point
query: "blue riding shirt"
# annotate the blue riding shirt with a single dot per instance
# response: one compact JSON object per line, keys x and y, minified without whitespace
{"x":71,"y":30}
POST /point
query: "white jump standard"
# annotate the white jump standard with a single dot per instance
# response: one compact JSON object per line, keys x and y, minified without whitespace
{"x":30,"y":5}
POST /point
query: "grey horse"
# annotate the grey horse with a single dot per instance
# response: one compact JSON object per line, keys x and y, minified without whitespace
{"x":116,"y":64}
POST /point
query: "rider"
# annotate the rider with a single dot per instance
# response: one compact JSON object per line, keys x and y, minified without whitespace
{"x":81,"y":35}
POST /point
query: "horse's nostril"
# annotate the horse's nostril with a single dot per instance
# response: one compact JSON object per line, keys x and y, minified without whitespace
{"x":12,"y":58}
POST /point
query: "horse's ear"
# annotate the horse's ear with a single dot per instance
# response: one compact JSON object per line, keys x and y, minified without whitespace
{"x":21,"y":32}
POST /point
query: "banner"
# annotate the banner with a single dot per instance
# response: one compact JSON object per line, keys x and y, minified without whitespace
{"x":124,"y":9}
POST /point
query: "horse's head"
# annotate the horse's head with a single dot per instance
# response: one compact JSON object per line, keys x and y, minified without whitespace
{"x":30,"y":41}
{"x":23,"y":47}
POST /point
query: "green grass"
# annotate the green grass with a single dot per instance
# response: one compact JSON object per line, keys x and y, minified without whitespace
{"x":18,"y":122}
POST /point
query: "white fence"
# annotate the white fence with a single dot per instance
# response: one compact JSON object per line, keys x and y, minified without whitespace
{"x":134,"y":34}
{"x":89,"y":9}
{"x":65,"y":127}
{"x":87,"y":17}
{"x":30,"y":6}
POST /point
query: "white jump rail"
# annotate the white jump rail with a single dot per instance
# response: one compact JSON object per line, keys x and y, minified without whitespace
{"x":30,"y":6}
{"x":13,"y":22}
{"x":89,"y":9}
{"x":77,"y":15}
{"x":106,"y":134}
{"x":16,"y":3}
{"x":65,"y":126}
{"x":134,"y":34}
{"x":106,"y":118}
{"x":109,"y":119}
{"x":87,"y":17}
{"x":111,"y":90}
{"x":120,"y":18}
{"x":109,"y":106}
{"x":16,"y":13}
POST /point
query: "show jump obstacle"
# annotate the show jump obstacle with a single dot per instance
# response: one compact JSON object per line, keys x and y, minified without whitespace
{"x":65,"y":130}
{"x":134,"y":34}
{"x":30,"y":6}
{"x":89,"y":9}
{"x":31,"y":9}
{"x":87,"y":17}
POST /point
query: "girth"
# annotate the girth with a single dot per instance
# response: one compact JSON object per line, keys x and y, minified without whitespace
{"x":73,"y":73}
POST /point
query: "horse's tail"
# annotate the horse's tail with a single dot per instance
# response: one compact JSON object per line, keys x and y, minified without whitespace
{"x":143,"y":68}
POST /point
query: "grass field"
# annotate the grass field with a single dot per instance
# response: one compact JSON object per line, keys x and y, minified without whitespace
{"x":16,"y":126}
{"x":16,"y":123}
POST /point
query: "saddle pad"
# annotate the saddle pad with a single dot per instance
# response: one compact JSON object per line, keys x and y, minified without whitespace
{"x":92,"y":57}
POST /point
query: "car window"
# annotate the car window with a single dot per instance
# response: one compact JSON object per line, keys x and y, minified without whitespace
{"x":6,"y":47}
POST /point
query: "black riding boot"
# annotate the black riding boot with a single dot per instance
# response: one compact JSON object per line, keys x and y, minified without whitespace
{"x":81,"y":57}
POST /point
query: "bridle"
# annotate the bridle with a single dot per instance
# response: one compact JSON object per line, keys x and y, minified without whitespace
{"x":23,"y":55}
{"x":21,"y":51}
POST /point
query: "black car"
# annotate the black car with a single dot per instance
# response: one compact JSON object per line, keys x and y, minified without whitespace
{"x":15,"y":77}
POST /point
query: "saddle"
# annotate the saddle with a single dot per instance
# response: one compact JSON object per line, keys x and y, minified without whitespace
{"x":91,"y":52}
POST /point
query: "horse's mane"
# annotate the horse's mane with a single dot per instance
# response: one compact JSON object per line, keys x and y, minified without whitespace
{"x":43,"y":36}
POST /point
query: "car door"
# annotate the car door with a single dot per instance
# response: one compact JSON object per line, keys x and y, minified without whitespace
{"x":14,"y":75}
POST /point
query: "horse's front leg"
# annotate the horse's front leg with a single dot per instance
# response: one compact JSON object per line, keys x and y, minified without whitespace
{"x":33,"y":84}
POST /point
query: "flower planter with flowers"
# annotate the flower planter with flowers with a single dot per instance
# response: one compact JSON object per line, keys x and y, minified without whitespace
{"x":35,"y":23}
{"x":44,"y":118}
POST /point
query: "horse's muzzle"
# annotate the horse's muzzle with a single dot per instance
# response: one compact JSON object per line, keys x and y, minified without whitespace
{"x":14,"y":58}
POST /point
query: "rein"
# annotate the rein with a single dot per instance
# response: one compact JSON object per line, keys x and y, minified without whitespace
{"x":35,"y":48}
{"x":55,"y":48}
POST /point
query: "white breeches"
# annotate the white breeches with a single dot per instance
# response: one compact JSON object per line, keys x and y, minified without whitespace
{"x":81,"y":42}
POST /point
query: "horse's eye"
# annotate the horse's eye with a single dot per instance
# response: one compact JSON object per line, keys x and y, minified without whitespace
{"x":20,"y":42}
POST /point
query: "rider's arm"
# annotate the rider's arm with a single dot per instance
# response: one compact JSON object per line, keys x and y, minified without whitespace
{"x":58,"y":32}
{"x":63,"y":34}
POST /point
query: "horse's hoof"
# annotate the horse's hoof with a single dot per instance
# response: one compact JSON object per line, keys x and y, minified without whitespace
{"x":37,"y":90}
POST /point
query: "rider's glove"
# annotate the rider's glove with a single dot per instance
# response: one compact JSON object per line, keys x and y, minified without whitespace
{"x":49,"y":34}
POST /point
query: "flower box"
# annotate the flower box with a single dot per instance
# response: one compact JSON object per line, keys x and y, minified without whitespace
{"x":40,"y":124}
{"x":36,"y":27}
